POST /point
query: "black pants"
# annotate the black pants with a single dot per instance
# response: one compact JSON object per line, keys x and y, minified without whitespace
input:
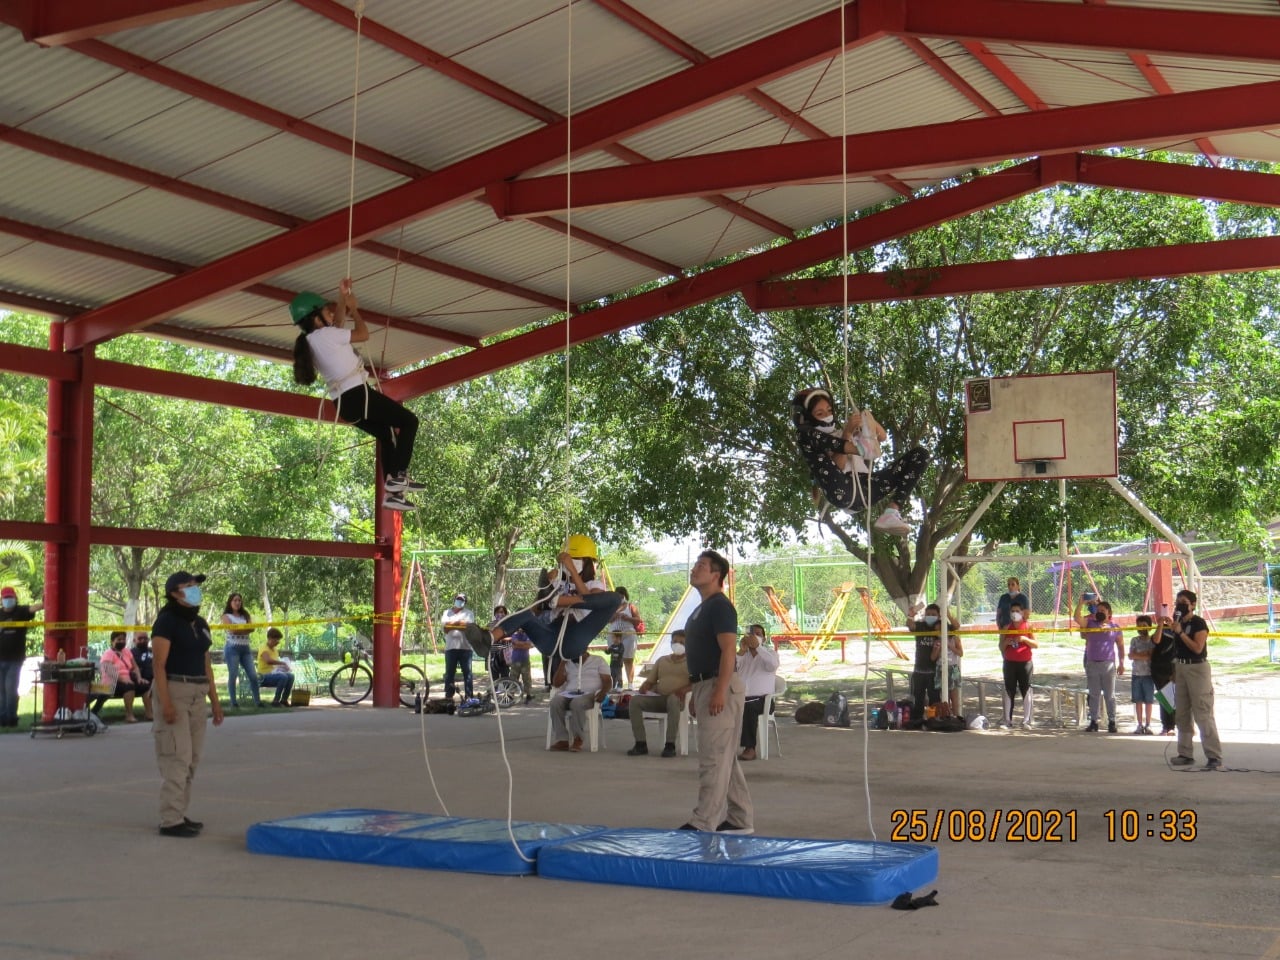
{"x":453,"y":661}
{"x":752,"y":711}
{"x":1017,"y":677}
{"x":895,"y":482}
{"x":394,"y":427}
{"x":923,"y":693}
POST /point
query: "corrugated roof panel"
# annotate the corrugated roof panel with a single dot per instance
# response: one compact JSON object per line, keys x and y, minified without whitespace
{"x":1262,"y":145}
{"x":626,"y":223}
{"x":170,"y":226}
{"x":1255,"y":7}
{"x":52,"y":272}
{"x":303,"y":179}
{"x":1185,"y":74}
{"x":51,"y":193}
{"x":448,"y":27}
{"x":524,"y":251}
{"x":727,"y":125}
{"x":717,"y":26}
{"x":152,"y":127}
{"x":693,"y":238}
{"x":609,"y":58}
{"x":38,"y":79}
{"x":599,"y":275}
{"x":429,"y":234}
{"x":158,"y":40}
{"x":955,"y":56}
{"x":1069,"y":76}
{"x":289,"y":59}
{"x":487,"y":313}
{"x":810,"y":204}
{"x":450,"y":121}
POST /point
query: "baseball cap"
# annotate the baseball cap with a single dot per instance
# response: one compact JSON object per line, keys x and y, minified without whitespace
{"x":180,"y":578}
{"x":9,"y":592}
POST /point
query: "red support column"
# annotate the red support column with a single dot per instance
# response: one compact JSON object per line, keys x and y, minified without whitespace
{"x":69,"y":449}
{"x":388,"y":525}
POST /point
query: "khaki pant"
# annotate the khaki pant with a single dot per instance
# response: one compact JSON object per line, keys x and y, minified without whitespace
{"x":722,"y":789}
{"x":1193,"y":702}
{"x":655,"y":703}
{"x":178,"y":747}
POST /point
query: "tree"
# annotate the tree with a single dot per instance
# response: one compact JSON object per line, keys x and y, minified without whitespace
{"x":703,"y":401}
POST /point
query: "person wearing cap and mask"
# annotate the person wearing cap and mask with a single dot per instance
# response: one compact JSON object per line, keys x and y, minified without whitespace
{"x":924,"y":672}
{"x":183,"y":679}
{"x":840,"y":460}
{"x":758,"y":668}
{"x":324,"y":347}
{"x":13,"y":651}
{"x":145,"y":660}
{"x":578,"y":605}
{"x":457,"y":648}
{"x":662,"y":691}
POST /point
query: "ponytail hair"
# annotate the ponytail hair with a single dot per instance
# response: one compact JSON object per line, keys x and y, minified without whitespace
{"x":304,"y":367}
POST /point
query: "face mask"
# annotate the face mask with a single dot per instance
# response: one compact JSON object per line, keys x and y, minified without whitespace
{"x":826,"y":421}
{"x":1015,"y":616}
{"x":193,"y":595}
{"x":930,"y":619}
{"x":10,"y":603}
{"x":1100,"y":616}
{"x":118,"y":646}
{"x":1182,"y":608}
{"x":577,"y":565}
{"x":677,"y":649}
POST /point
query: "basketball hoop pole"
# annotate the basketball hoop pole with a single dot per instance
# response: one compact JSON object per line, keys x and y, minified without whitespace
{"x":1180,"y":547}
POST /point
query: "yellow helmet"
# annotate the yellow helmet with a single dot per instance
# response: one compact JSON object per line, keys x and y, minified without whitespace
{"x":582,"y":547}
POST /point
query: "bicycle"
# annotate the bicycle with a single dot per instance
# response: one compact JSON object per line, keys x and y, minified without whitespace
{"x":505,"y":690}
{"x":353,"y":681}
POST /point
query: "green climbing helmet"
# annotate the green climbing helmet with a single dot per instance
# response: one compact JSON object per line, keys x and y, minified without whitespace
{"x":304,"y":305}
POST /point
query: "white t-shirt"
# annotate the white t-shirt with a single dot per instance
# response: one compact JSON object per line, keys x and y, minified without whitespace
{"x":588,"y":676}
{"x":457,"y":639}
{"x":335,"y":360}
{"x":758,"y":672}
{"x":565,"y":588}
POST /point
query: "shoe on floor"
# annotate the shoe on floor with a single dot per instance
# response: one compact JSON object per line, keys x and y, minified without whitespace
{"x":669,"y":750}
{"x":576,"y":747}
{"x":1147,"y":731}
{"x":179,"y":830}
{"x":1181,"y":761}
{"x":1111,"y":727}
{"x":1092,"y":727}
{"x":639,"y":750}
{"x":397,"y":501}
{"x":747,"y":754}
{"x":193,"y":824}
{"x":400,"y":483}
{"x":1213,"y":764}
{"x":891,"y":522}
{"x":562,"y":745}
{"x":730,"y":827}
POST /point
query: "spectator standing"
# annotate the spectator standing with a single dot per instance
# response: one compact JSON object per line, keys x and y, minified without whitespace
{"x":1103,"y":659}
{"x":13,"y":651}
{"x":1016,"y":644}
{"x":184,"y":677}
{"x":1193,"y":701}
{"x":1162,"y":662}
{"x":237,"y":652}
{"x":144,"y":658}
{"x":499,"y":665}
{"x":662,"y":692}
{"x":1013,"y":594}
{"x":273,"y":671}
{"x":624,"y":624}
{"x":758,"y":668}
{"x":457,"y":649}
{"x":1142,"y":687}
{"x":521,"y":668}
{"x":928,"y":641}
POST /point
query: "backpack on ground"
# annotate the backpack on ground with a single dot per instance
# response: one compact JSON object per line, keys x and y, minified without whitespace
{"x":836,"y":712}
{"x":810,"y":712}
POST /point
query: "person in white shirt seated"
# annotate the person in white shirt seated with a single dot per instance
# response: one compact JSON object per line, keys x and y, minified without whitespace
{"x":580,"y":685}
{"x":758,"y":668}
{"x":662,"y":692}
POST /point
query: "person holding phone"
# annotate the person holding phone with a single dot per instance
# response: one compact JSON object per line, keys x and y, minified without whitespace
{"x":1193,"y":679}
{"x":1104,"y":655}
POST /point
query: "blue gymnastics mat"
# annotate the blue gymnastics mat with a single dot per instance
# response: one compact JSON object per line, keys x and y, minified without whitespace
{"x":420,"y":840}
{"x":832,"y":871}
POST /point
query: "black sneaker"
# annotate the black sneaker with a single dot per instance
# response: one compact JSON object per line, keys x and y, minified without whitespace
{"x":729,"y":827}
{"x":1092,"y":727}
{"x":639,"y":750}
{"x":1181,"y":761}
{"x":397,"y":501}
{"x":179,"y":830}
{"x":669,"y":750}
{"x":1111,"y":727}
{"x":400,"y":483}
{"x":1213,"y":764}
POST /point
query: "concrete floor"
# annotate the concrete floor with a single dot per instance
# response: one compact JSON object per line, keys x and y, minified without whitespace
{"x":86,"y":875}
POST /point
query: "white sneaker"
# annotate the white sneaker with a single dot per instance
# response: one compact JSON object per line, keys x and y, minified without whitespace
{"x":891,"y":522}
{"x":397,"y":501}
{"x":400,"y":483}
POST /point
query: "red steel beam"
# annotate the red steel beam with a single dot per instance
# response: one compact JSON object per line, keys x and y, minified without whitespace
{"x":999,"y":276}
{"x":980,"y":141}
{"x":1180,"y":179}
{"x":30,"y":532}
{"x":977,"y":194}
{"x":672,"y":96}
{"x":948,"y":73}
{"x":32,"y":361}
{"x":52,"y":23}
{"x":189,"y":540}
{"x":1229,"y":36}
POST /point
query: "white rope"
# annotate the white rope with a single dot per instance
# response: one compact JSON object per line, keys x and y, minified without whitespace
{"x":568,"y":266}
{"x":355,"y":112}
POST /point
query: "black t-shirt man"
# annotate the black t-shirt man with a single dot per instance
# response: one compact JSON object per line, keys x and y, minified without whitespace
{"x":714,"y":616}
{"x":13,"y":640}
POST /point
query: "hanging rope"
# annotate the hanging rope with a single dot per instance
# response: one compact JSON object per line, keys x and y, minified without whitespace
{"x":355,"y":114}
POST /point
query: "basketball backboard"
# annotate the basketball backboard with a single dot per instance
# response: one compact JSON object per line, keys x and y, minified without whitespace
{"x":1043,"y":427}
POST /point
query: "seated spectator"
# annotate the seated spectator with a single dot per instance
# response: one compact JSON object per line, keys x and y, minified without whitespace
{"x":117,"y":668}
{"x":580,"y":685}
{"x":274,"y":672}
{"x":758,"y":668}
{"x":662,"y":692}
{"x":144,"y":658}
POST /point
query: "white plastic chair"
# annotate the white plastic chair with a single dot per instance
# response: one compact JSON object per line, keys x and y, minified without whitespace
{"x":595,"y":729}
{"x":682,"y":728}
{"x":767,"y":719}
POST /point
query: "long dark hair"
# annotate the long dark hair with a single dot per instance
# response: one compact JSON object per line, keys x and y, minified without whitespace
{"x":243,"y":612}
{"x":620,"y":591}
{"x":304,"y":367}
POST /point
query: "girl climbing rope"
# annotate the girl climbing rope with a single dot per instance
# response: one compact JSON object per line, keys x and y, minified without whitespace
{"x":839,"y":460}
{"x":578,"y":604}
{"x":324,"y":347}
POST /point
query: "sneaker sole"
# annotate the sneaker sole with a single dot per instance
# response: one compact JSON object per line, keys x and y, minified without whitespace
{"x":401,"y":507}
{"x":892,"y":530}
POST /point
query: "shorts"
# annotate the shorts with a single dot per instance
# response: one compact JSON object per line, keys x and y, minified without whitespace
{"x":629,"y":646}
{"x":1142,"y":689}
